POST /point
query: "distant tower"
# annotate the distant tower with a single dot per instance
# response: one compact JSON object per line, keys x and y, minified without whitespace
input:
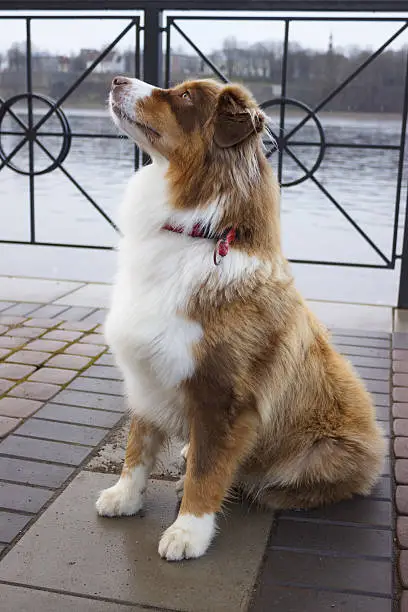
{"x":331,"y":43}
{"x":330,"y":76}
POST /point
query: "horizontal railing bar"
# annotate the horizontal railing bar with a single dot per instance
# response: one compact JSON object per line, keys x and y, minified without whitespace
{"x":345,"y":145}
{"x":59,"y":244}
{"x":299,"y":143}
{"x":111,"y":248}
{"x":346,"y":264}
{"x":130,"y":12}
{"x":130,"y":15}
{"x":60,"y":135}
{"x":282,"y":18}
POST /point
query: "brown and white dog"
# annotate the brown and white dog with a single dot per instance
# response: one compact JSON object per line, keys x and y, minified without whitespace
{"x":226,"y":357}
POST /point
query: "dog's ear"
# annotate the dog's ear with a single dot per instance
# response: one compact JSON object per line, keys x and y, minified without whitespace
{"x":236,"y":117}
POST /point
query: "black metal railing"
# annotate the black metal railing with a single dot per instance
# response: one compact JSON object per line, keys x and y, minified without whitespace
{"x":154,"y":63}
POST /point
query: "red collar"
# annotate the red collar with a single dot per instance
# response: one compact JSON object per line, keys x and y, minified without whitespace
{"x":223,"y":240}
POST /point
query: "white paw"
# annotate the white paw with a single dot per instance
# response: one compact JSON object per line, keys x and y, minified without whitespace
{"x":188,"y":537}
{"x":184,"y":451}
{"x":120,"y":500}
{"x":180,"y":487}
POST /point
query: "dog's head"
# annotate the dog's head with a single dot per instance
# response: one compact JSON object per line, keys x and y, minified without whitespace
{"x":196,"y":117}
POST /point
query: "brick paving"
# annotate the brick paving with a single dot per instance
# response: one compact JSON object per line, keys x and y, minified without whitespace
{"x":60,"y":397}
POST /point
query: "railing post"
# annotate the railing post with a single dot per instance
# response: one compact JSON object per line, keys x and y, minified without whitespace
{"x":153,"y":50}
{"x":403,"y":284}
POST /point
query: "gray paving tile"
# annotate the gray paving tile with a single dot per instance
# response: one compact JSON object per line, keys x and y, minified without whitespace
{"x":22,"y":309}
{"x":400,"y":366}
{"x":50,"y":311}
{"x":49,"y":346}
{"x":34,"y":289}
{"x":84,"y":350}
{"x":397,"y":354}
{"x":97,"y":317}
{"x":374,"y":373}
{"x":221,"y":581}
{"x":83,"y":416}
{"x":94,"y":338}
{"x":4,"y":352}
{"x":34,"y":473}
{"x":99,"y":371}
{"x":62,"y":432}
{"x":35,"y":390}
{"x":84,"y":399}
{"x":7,"y":424}
{"x":383,"y":413}
{"x":26,"y":332}
{"x":21,"y":599}
{"x":333,"y":539}
{"x":364,"y":351}
{"x":381,"y":399}
{"x":65,"y":335}
{"x":77,"y":325}
{"x":41,"y":322}
{"x":362,"y":341}
{"x":378,"y":386}
{"x":320,"y":571}
{"x":340,"y":331}
{"x":12,"y":342}
{"x":77,"y":313}
{"x":69,"y":362}
{"x":382,"y":489}
{"x":107,"y":359}
{"x":5,"y":305}
{"x":271,"y":597}
{"x":98,"y":385}
{"x":29,"y":357}
{"x":20,"y":497}
{"x":359,"y":510}
{"x":400,"y":340}
{"x":400,"y":379}
{"x":31,"y":448}
{"x":6,"y":319}
{"x":5,"y":385}
{"x":11,"y":524}
{"x":400,"y":394}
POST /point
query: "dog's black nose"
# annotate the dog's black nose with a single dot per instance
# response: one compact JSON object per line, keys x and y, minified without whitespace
{"x":120,"y":80}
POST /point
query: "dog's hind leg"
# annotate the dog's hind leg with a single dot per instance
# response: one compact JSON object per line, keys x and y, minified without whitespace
{"x":126,"y":496}
{"x":303,"y":498}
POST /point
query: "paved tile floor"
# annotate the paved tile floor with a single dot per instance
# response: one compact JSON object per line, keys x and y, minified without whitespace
{"x":60,"y":402}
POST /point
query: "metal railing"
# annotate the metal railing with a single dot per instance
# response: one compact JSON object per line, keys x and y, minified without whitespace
{"x":154,"y":64}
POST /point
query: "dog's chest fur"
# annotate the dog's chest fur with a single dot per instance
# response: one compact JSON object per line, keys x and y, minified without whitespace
{"x":159,"y":271}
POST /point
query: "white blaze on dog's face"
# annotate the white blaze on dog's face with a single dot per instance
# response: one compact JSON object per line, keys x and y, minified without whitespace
{"x":191,"y":118}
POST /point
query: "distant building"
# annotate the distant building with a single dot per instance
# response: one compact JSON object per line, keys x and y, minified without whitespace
{"x":112,"y":63}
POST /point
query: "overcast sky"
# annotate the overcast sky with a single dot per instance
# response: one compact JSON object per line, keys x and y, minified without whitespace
{"x":66,"y":36}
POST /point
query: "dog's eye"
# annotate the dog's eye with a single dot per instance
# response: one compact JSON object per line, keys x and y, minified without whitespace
{"x":186,"y":95}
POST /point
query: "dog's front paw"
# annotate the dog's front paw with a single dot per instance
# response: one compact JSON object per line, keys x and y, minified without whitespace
{"x":120,"y":500}
{"x":188,"y":537}
{"x":184,"y":451}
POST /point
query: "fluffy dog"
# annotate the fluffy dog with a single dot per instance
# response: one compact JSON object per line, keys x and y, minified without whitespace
{"x":216,"y":345}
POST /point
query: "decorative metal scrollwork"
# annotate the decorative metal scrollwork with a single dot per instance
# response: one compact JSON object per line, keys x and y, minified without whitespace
{"x":31,"y":133}
{"x":283,"y":140}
